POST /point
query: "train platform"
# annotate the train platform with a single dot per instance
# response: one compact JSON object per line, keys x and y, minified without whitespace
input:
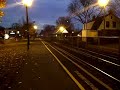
{"x":35,"y":69}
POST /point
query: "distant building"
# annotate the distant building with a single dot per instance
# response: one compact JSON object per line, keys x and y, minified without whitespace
{"x":95,"y":28}
{"x":12,"y":32}
{"x":60,"y":33}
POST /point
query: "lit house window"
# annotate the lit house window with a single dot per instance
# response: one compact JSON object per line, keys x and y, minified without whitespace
{"x":107,"y":24}
{"x":114,"y":24}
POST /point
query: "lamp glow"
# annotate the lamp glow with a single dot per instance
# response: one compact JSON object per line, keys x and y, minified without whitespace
{"x":61,"y":28}
{"x":35,"y":27}
{"x":103,"y":3}
{"x":27,"y":2}
{"x":6,"y":36}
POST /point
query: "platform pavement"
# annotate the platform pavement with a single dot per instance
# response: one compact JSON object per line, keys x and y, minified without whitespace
{"x":42,"y":72}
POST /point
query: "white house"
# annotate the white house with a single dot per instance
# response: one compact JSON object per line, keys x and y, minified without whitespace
{"x":104,"y":26}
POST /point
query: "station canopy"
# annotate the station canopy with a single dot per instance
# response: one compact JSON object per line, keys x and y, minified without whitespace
{"x":61,"y":31}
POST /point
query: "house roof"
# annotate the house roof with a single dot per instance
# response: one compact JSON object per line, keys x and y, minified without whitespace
{"x":98,"y":20}
{"x":59,"y":31}
{"x":97,"y":23}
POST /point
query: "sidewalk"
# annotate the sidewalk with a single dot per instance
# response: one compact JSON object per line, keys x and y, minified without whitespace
{"x":42,"y":72}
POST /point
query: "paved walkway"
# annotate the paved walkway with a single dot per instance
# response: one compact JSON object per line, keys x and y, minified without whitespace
{"x":42,"y":72}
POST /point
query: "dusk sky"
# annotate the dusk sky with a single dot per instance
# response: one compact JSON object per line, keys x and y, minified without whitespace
{"x":42,"y":11}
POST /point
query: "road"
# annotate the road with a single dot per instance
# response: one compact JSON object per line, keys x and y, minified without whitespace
{"x":36,"y":69}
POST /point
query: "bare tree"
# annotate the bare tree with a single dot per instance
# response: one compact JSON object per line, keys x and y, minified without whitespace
{"x":66,"y":22}
{"x":16,"y":26}
{"x":83,"y":10}
{"x":48,"y":30}
{"x":114,"y":7}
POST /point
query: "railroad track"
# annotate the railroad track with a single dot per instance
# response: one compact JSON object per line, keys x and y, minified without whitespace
{"x":92,"y":76}
{"x":105,"y":64}
{"x":112,"y":58}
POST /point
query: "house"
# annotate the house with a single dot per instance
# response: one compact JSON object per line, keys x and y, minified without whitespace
{"x":60,"y":33}
{"x":105,"y":28}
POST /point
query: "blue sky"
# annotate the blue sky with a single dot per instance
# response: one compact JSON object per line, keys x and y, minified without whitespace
{"x":42,"y":11}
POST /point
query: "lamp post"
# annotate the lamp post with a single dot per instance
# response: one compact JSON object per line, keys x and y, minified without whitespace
{"x":35,"y":28}
{"x":61,"y":29}
{"x":27,"y":4}
{"x":102,"y":3}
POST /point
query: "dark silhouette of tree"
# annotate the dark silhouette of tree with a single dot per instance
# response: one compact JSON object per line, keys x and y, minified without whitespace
{"x":114,"y":7}
{"x":48,"y":30}
{"x":16,"y":26}
{"x":83,"y":10}
{"x":65,"y":22}
{"x":32,"y":31}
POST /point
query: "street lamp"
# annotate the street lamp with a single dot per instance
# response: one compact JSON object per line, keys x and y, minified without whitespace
{"x":61,"y":29}
{"x":35,"y":27}
{"x":102,"y":3}
{"x":27,"y":4}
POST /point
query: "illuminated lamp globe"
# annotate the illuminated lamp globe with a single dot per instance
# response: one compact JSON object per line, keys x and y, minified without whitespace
{"x":103,"y":3}
{"x":27,"y":2}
